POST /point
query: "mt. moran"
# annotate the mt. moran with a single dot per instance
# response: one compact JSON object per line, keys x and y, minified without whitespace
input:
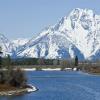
{"x":76,"y":34}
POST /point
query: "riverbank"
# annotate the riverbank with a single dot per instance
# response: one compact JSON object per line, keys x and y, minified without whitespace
{"x":91,"y":73}
{"x":44,"y":69}
{"x":92,"y":70}
{"x":6,"y":90}
{"x":48,"y":69}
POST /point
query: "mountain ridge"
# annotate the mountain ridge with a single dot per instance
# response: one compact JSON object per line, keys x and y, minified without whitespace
{"x":75,"y":34}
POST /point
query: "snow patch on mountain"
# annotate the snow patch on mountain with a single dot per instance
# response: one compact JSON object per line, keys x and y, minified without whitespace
{"x":20,"y":41}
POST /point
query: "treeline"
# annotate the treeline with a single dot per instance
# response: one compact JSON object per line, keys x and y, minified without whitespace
{"x":39,"y":61}
{"x":30,"y":61}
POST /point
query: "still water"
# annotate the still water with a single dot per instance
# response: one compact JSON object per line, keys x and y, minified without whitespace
{"x":60,"y":85}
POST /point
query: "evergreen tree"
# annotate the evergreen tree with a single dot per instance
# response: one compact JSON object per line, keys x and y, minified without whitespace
{"x":0,"y":62}
{"x":76,"y":61}
{"x":9,"y":68}
{"x":0,"y":57}
{"x":1,"y":73}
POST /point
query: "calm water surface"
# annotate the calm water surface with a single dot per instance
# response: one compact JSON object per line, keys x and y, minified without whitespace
{"x":59,"y":85}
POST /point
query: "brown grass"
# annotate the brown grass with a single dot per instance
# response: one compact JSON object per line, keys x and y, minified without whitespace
{"x":6,"y":87}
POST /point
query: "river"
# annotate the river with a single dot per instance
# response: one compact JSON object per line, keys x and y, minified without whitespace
{"x":61,"y":85}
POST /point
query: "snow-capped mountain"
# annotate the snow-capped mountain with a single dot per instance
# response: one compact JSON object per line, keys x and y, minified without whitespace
{"x":75,"y":34}
{"x":20,"y":42}
{"x":6,"y":45}
{"x":10,"y":47}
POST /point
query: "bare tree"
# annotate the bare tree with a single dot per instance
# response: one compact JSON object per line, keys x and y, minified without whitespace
{"x":41,"y":61}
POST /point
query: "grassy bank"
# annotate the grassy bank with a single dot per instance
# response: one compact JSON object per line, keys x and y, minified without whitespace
{"x":6,"y":87}
{"x":92,"y":70}
{"x":6,"y":90}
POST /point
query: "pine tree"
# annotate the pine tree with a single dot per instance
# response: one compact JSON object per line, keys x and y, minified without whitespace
{"x":9,"y":68}
{"x":0,"y":57}
{"x":76,"y":61}
{"x":1,"y":73}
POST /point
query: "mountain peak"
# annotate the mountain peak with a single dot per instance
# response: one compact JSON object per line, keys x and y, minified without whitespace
{"x":75,"y":34}
{"x":79,"y":10}
{"x":78,"y":13}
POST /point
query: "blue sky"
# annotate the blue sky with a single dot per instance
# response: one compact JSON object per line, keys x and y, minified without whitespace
{"x":24,"y":18}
